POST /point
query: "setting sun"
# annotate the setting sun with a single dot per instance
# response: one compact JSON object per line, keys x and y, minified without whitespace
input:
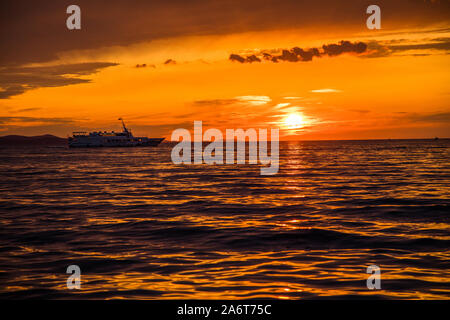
{"x":294,"y":121}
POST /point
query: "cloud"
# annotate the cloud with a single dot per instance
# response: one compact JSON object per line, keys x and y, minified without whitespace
{"x":288,"y":56}
{"x":306,"y":55}
{"x":282,"y":105}
{"x":297,"y":54}
{"x":443,"y":117}
{"x":253,"y":58}
{"x":292,"y":98}
{"x":326,"y":90}
{"x":360,"y":110}
{"x":344,"y":47}
{"x":215,"y":102}
{"x":25,"y":110}
{"x":369,"y":49}
{"x":61,"y":69}
{"x":442,"y":45}
{"x":236,"y":57}
{"x":255,"y":100}
{"x":170,"y":61}
{"x":144,"y":65}
{"x":34,"y":31}
{"x":380,"y":49}
{"x":9,"y":120}
{"x":251,"y":100}
{"x":249,"y":59}
{"x":377,"y":50}
{"x":17,"y":80}
{"x":11,"y":91}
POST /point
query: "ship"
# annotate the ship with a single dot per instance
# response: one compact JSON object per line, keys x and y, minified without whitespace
{"x":111,"y":139}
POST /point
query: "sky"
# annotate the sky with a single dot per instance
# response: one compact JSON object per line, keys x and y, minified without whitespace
{"x":310,"y":68}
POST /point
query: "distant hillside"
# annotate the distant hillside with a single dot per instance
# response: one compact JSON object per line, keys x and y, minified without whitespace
{"x":46,"y":139}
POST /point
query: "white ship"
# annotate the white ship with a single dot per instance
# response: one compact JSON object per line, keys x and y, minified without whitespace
{"x":111,"y":139}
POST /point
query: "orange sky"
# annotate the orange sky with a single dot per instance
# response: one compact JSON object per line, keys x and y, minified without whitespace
{"x":401,"y":93}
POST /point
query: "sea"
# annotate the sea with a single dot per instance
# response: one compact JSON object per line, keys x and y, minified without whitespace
{"x":140,"y":227}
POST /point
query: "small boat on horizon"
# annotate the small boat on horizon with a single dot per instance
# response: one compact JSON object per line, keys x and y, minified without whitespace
{"x":111,"y":139}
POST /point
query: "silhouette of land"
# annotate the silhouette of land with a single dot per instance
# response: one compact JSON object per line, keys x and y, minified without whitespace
{"x":46,"y":139}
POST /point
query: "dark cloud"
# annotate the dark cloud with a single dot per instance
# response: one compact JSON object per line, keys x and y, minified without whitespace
{"x":360,"y":110}
{"x":249,"y":59}
{"x":166,"y":128}
{"x":253,"y":58}
{"x":420,"y":54}
{"x":306,"y":55}
{"x":266,"y":56}
{"x":443,"y":117}
{"x":379,"y":49}
{"x":10,"y":91}
{"x":287,"y":55}
{"x":35,"y":31}
{"x":170,"y":61}
{"x":17,"y":80}
{"x":344,"y":47}
{"x":298,"y":54}
{"x":61,"y":69}
{"x":444,"y":45}
{"x":236,"y":57}
{"x":6,"y":120}
{"x":25,"y":110}
{"x":215,"y":102}
{"x":144,"y":65}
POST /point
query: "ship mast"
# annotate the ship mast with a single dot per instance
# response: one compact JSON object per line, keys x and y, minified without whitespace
{"x":123,"y":125}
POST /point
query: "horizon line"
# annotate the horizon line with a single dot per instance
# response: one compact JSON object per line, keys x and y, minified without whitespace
{"x":281,"y":140}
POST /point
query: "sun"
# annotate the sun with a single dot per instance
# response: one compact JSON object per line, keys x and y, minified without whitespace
{"x":294,"y":121}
